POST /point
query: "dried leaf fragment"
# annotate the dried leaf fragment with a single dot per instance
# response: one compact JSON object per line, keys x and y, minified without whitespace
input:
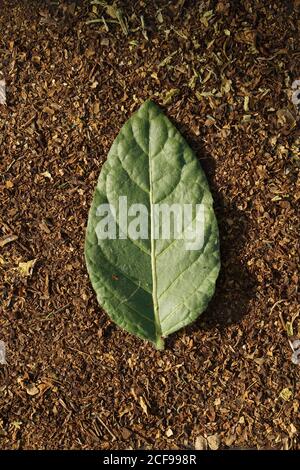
{"x":247,"y":36}
{"x":226,"y":85}
{"x":126,"y":434}
{"x":143,"y":405}
{"x":26,"y":268}
{"x":214,"y":441}
{"x":9,"y":184}
{"x":32,"y":389}
{"x":46,"y":174}
{"x":246,"y":104}
{"x":7,"y":239}
{"x":293,"y":428}
{"x":48,"y":110}
{"x":200,"y":443}
{"x":170,"y":94}
{"x":286,"y":118}
{"x":17,"y":424}
{"x":285,"y":394}
{"x":289,"y":328}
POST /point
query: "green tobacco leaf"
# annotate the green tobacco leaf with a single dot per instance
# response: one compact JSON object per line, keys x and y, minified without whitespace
{"x":152,"y":287}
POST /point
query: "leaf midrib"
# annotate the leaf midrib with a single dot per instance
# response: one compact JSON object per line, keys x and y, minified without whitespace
{"x":159,"y":340}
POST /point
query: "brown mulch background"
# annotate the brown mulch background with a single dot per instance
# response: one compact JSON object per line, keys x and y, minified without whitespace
{"x":223,"y":72}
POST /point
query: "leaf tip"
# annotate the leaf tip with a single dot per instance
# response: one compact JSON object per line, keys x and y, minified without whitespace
{"x":149,"y":104}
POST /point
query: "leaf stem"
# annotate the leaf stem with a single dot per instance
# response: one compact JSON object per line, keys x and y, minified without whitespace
{"x":160,"y":343}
